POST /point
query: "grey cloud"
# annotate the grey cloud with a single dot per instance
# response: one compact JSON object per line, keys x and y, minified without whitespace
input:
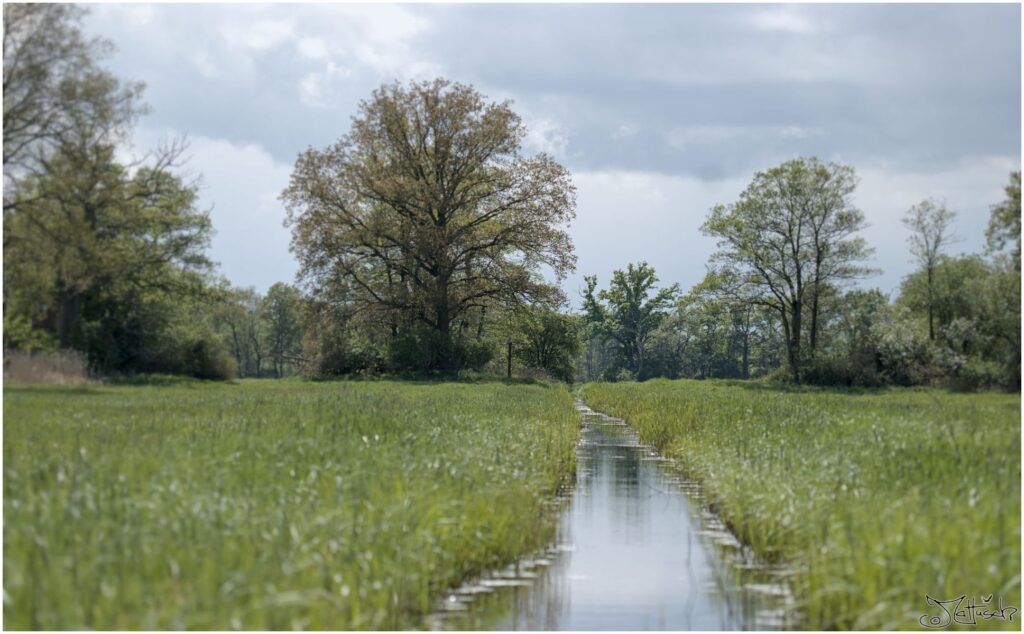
{"x":908,"y":94}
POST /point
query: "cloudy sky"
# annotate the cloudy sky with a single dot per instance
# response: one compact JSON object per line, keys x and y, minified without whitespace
{"x":659,"y":111}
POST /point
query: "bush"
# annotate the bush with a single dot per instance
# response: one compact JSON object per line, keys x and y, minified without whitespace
{"x":977,"y":373}
{"x":418,"y":348}
{"x":335,"y":351}
{"x":209,"y":359}
{"x":622,"y":375}
{"x":858,"y":369}
{"x":906,"y":356}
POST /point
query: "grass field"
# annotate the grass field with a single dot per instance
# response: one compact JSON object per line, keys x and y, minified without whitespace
{"x":270,"y":504}
{"x":876,"y":499}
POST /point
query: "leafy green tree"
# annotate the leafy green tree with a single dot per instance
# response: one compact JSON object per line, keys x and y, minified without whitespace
{"x":791,"y":234}
{"x":976,"y":307}
{"x":1004,"y":223}
{"x":548,"y":340}
{"x":949,"y":292}
{"x":627,"y":314}
{"x":280,"y":311}
{"x":91,"y":243}
{"x":431,"y":215}
{"x":931,"y":230}
{"x":55,"y":93}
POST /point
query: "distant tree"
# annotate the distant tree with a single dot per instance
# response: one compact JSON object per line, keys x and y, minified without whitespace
{"x":789,"y":236}
{"x":931,"y":230}
{"x":976,"y":307}
{"x":948,"y":294}
{"x":1004,"y":223}
{"x":548,"y":340}
{"x":280,"y":311}
{"x":627,"y":314}
{"x":430,"y":214}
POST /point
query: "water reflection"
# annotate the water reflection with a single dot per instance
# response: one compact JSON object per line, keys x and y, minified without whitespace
{"x":633,"y":553}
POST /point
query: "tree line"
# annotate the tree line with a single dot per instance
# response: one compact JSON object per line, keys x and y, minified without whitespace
{"x":779,"y":299}
{"x":430,"y":243}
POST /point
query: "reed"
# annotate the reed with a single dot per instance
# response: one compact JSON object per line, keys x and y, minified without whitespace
{"x":875,"y":499}
{"x":270,"y":504}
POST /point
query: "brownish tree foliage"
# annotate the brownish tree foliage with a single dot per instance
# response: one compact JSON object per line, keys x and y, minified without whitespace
{"x":428,"y":213}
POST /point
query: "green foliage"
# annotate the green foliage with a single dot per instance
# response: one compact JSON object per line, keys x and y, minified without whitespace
{"x":280,"y":310}
{"x":428,"y":214}
{"x":547,"y":340}
{"x":976,"y":309}
{"x":1004,"y":223}
{"x":872,"y":499}
{"x":100,"y":260}
{"x":56,"y":94}
{"x":930,"y":224}
{"x":791,"y":235}
{"x":626,"y":314}
{"x":271,"y":504}
{"x":418,"y":346}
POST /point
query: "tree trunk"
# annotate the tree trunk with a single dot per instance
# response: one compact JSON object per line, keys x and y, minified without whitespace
{"x":508,"y":372}
{"x":746,"y":349}
{"x":794,"y":342}
{"x":931,"y":308}
{"x":814,"y":322}
{"x":68,"y":313}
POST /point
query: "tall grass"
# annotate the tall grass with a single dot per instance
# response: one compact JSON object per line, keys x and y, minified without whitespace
{"x":270,"y":505}
{"x":63,"y":367}
{"x":875,"y":499}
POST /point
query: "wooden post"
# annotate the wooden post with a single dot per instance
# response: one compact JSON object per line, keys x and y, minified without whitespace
{"x":509,"y":373}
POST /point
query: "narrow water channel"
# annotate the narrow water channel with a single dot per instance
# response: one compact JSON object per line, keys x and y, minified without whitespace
{"x":635,"y":551}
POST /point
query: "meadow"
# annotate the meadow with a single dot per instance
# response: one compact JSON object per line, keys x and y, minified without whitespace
{"x":270,"y":504}
{"x":874,"y":499}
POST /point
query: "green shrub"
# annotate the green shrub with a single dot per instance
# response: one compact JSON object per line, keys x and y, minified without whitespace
{"x":208,"y":358}
{"x":977,"y":373}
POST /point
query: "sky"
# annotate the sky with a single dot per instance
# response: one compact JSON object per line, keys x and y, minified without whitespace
{"x":659,"y":111}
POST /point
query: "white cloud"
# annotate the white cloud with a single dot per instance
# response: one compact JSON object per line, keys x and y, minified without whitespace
{"x":783,"y":19}
{"x":312,"y":48}
{"x":627,"y":216}
{"x":625,"y":131}
{"x":260,"y":35}
{"x":316,"y":88}
{"x":344,"y":37}
{"x":969,"y":189}
{"x":230,"y":42}
{"x":546,"y":135}
{"x":242,"y":183}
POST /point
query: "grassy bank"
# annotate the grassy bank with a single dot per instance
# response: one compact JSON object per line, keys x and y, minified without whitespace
{"x":269,"y":505}
{"x":876,"y":499}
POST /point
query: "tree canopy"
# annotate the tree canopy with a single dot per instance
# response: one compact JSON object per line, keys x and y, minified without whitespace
{"x":791,"y":234}
{"x":427,"y":214}
{"x":627,"y":313}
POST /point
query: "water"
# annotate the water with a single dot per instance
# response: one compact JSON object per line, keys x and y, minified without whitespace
{"x":635,"y":551}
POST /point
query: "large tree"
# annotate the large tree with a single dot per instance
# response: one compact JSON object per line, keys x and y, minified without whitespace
{"x":429,"y":213}
{"x":790,"y":236}
{"x":55,"y":93}
{"x":89,"y":232}
{"x":931,"y":230}
{"x":629,"y":312}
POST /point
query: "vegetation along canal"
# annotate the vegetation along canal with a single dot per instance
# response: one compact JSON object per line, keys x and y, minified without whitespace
{"x":635,"y":551}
